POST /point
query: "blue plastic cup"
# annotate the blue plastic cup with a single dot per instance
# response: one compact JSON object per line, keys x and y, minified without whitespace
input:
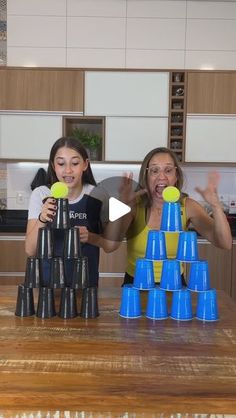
{"x":187,"y":247}
{"x":199,"y":278}
{"x":144,"y":274}
{"x":156,"y":246}
{"x":207,"y":307}
{"x":171,"y":275}
{"x":130,"y":302}
{"x":171,"y":217}
{"x":157,"y":304}
{"x":181,"y":307}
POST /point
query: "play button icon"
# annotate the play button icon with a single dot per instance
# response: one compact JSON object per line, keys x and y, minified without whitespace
{"x":117,"y":209}
{"x":106,"y":197}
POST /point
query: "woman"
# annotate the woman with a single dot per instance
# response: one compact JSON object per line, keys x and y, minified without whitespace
{"x":68,"y":163}
{"x":160,"y":168}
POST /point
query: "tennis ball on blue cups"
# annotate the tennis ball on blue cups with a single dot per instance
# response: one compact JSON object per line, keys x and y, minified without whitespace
{"x":59,"y":190}
{"x":171,"y":194}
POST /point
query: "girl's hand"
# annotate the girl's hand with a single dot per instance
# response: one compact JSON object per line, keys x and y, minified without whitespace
{"x":83,"y":233}
{"x":209,"y":194}
{"x":127,"y":194}
{"x":48,"y":210}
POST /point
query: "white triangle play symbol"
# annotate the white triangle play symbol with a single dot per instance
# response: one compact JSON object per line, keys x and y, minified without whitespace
{"x":117,"y":209}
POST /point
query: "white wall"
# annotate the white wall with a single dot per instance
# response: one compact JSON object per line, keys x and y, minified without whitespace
{"x":20,"y":176}
{"x":122,"y":34}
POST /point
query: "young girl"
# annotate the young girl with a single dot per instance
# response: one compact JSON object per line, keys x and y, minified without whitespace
{"x":68,"y":163}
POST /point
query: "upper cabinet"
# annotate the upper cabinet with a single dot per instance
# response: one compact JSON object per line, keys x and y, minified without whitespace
{"x":210,"y":92}
{"x":29,"y":136}
{"x":211,"y":117}
{"x":135,"y":105}
{"x":125,"y":93}
{"x":32,"y":89}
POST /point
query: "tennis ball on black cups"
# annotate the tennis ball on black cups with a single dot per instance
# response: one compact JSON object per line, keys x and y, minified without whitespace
{"x":59,"y":190}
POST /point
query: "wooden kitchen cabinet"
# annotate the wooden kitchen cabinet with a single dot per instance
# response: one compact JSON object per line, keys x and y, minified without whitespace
{"x":233,"y":290}
{"x":211,"y":92}
{"x":220,"y":265}
{"x":12,"y":258}
{"x":40,"y":89}
{"x":114,"y":262}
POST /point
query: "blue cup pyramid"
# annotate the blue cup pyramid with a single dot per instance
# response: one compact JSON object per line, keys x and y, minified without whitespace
{"x":171,"y":278}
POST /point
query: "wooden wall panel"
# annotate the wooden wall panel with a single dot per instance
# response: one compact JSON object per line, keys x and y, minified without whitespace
{"x":114,"y":262}
{"x":12,"y":256}
{"x":211,"y":92}
{"x":41,"y":89}
{"x":233,"y":290}
{"x":219,"y":266}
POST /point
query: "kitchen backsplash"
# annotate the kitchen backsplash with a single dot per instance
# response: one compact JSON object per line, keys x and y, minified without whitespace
{"x":16,"y":178}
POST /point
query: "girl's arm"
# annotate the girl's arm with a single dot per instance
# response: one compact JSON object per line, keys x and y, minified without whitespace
{"x":216,"y":229}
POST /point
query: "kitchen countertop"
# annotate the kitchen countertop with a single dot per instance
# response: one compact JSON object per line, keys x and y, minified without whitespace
{"x":111,"y":366}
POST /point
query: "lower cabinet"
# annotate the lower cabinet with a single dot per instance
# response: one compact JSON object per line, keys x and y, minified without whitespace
{"x":220,"y":266}
{"x":233,"y":289}
{"x":113,"y":263}
{"x":12,"y":259}
{"x":222,"y":263}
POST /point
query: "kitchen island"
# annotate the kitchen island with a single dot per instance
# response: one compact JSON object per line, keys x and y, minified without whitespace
{"x":111,"y":366}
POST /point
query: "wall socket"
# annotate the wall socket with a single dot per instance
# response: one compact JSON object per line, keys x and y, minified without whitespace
{"x":20,"y":198}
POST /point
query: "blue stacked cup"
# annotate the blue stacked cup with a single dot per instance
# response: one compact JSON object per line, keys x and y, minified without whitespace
{"x":144,"y":274}
{"x":130,"y":302}
{"x":199,"y":278}
{"x":181,"y":308}
{"x":171,"y":275}
{"x":171,"y":217}
{"x":157,"y":304}
{"x":156,"y":245}
{"x":187,"y":247}
{"x":207,"y":306}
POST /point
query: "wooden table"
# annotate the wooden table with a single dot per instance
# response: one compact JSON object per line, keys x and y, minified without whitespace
{"x":110,"y":366}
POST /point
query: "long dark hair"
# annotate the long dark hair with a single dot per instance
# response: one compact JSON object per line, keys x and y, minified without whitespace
{"x":143,"y":172}
{"x":73,"y":143}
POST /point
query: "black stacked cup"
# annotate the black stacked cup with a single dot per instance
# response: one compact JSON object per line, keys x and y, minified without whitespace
{"x":47,"y":271}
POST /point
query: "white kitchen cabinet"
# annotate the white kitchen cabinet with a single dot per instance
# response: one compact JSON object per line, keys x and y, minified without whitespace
{"x":130,"y":139}
{"x":117,"y":93}
{"x":210,"y":138}
{"x":27,"y":136}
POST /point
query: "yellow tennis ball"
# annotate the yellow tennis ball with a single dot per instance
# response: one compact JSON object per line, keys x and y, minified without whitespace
{"x":59,"y":190}
{"x":171,"y":194}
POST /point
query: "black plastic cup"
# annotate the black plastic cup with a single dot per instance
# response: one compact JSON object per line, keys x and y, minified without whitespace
{"x":46,"y":303}
{"x":57,"y":274}
{"x":69,"y":264}
{"x":68,"y":303}
{"x":45,"y":271}
{"x":32,"y":272}
{"x":89,"y":303}
{"x":44,"y":243}
{"x":62,"y":218}
{"x":80,"y":278}
{"x":72,"y":247}
{"x":25,"y":301}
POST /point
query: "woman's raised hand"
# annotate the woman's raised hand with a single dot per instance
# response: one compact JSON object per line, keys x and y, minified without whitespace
{"x":127,"y":194}
{"x":209,"y":194}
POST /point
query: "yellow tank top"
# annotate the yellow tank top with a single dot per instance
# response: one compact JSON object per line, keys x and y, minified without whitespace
{"x":137,"y":239}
